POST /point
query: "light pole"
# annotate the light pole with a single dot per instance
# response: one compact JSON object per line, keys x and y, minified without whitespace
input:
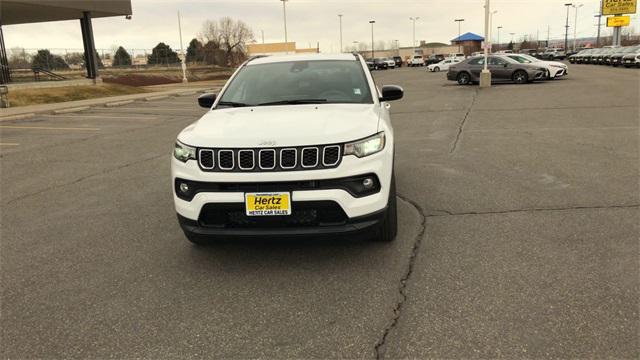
{"x":485,"y":75}
{"x":512,"y":44}
{"x":182,"y":55}
{"x":340,"y":16}
{"x":284,"y":11}
{"x":414,"y":33}
{"x":397,"y":46}
{"x":499,"y":27}
{"x":575,"y":27}
{"x":262,"y":32}
{"x":459,"y":21}
{"x":373,"y":54}
{"x":566,"y":31}
{"x":490,"y":37}
{"x":599,"y":26}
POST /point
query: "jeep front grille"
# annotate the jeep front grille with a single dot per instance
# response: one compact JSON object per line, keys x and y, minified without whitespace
{"x":270,"y":159}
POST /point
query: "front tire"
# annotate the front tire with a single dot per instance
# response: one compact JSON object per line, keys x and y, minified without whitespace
{"x":389,"y":227}
{"x":520,"y":77}
{"x":436,"y":69}
{"x":464,"y":78}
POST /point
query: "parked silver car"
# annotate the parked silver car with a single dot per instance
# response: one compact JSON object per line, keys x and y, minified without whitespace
{"x":502,"y":69}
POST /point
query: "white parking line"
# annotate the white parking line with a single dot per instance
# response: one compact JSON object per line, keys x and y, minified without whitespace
{"x":102,"y":117}
{"x":47,"y":128}
{"x":9,"y":144}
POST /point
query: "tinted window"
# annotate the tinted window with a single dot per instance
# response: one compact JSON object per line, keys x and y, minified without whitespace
{"x":496,"y":61}
{"x":476,"y":61}
{"x":337,"y":81}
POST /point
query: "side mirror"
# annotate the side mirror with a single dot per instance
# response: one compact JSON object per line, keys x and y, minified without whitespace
{"x":391,"y":92}
{"x":206,"y":100}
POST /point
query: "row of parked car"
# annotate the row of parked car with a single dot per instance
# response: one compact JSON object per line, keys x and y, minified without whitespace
{"x":516,"y":68}
{"x":628,"y":56}
{"x":384,"y":63}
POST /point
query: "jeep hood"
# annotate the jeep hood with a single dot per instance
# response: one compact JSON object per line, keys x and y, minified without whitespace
{"x":277,"y":126}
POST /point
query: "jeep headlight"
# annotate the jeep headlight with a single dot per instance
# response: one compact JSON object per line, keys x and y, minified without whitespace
{"x":183,"y":152}
{"x":366,"y":147}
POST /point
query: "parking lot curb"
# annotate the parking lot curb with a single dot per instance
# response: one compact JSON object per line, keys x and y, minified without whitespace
{"x":159,"y":97}
{"x":17,"y":117}
{"x":118,"y":103}
{"x":187,"y":93}
{"x":71,"y":110}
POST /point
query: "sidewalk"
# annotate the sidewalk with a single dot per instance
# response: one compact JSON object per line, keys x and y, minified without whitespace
{"x":22,"y":112}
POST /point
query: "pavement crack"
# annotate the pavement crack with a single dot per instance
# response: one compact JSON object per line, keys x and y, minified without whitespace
{"x":402,"y":287}
{"x":454,"y":146}
{"x":443,"y":213}
{"x":80,"y":179}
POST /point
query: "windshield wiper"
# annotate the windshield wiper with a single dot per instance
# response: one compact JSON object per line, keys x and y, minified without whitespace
{"x":294,"y":102}
{"x":232,"y":104}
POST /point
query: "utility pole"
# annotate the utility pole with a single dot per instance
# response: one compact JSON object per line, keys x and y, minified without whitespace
{"x":490,"y":36}
{"x":575,"y":27}
{"x":262,"y":32}
{"x":340,"y":16}
{"x":182,"y":55}
{"x":459,"y":21}
{"x":599,"y":26}
{"x":284,"y":10}
{"x":485,"y":75}
{"x":566,"y":31}
{"x":373,"y":54}
{"x":499,"y":27}
{"x":548,"y":34}
{"x":414,"y":33}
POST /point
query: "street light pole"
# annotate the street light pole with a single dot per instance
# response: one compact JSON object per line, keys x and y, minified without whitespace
{"x":599,"y":26}
{"x":499,"y":27}
{"x":490,"y":37}
{"x":414,"y":33}
{"x":459,"y":21}
{"x":485,"y":75}
{"x":566,"y":32}
{"x":340,"y":16}
{"x":575,"y":27}
{"x":373,"y":54}
{"x":284,"y":11}
{"x":182,"y":55}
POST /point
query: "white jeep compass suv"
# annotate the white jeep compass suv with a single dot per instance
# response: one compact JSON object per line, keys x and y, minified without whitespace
{"x":292,"y":146}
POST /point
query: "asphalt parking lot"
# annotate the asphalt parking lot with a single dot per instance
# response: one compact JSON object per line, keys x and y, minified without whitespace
{"x":518,"y":237}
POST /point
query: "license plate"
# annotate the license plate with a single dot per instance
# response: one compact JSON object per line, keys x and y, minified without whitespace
{"x":268,"y":204}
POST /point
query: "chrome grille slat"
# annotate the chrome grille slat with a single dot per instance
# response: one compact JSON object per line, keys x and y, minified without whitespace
{"x":284,"y":153}
{"x":246,"y":160}
{"x":267,"y":159}
{"x":207,"y":159}
{"x":226,"y":159}
{"x":333,"y":153}
{"x":308,"y":160}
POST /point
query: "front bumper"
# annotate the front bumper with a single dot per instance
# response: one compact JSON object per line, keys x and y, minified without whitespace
{"x":380,"y":165}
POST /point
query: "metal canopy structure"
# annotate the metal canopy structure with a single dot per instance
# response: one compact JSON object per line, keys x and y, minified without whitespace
{"x":14,"y":12}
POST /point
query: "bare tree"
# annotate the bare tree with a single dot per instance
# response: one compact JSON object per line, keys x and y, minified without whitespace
{"x":229,"y":35}
{"x":19,"y":58}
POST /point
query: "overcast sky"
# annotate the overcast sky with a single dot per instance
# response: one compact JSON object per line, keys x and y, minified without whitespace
{"x":311,"y":21}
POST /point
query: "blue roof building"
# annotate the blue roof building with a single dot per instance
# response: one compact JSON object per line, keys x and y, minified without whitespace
{"x":468,"y":43}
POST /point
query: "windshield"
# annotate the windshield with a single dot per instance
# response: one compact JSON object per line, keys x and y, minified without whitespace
{"x":298,"y":82}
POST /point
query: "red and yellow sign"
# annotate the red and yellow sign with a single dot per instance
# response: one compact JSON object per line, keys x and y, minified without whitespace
{"x":619,"y":7}
{"x":618,"y":21}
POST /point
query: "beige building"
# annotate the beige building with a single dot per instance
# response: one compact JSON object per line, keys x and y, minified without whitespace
{"x":277,"y":49}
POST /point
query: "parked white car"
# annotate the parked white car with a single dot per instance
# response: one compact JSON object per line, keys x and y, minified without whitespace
{"x":293,"y":146}
{"x":555,"y":69}
{"x":443,"y":65}
{"x":416,"y":60}
{"x":458,"y":56}
{"x":391,"y":64}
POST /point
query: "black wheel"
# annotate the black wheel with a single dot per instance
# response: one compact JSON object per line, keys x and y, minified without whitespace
{"x":389,"y":227}
{"x":520,"y":77}
{"x":436,"y":69}
{"x":464,"y":78}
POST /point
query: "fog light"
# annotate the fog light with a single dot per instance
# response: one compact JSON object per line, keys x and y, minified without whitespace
{"x":184,"y":187}
{"x":367,"y":183}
